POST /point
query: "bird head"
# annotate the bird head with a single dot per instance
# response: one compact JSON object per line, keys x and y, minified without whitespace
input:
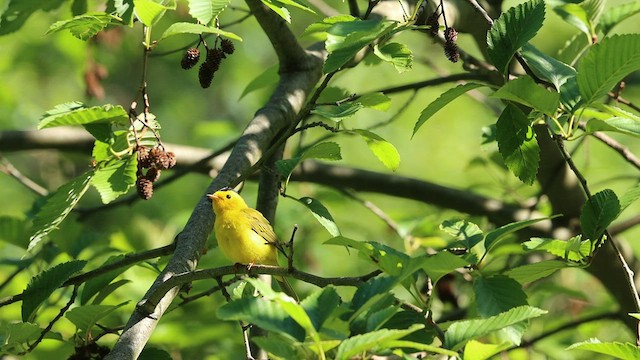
{"x":226,"y":199}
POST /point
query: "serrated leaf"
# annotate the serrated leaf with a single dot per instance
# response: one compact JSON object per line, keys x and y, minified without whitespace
{"x":115,"y":178}
{"x":462,"y":331}
{"x":295,"y":4}
{"x":497,"y":294}
{"x":338,"y":112}
{"x":122,"y":8}
{"x":467,"y":233}
{"x":84,"y":26}
{"x":85,"y":317}
{"x":608,"y":62}
{"x":320,"y":305}
{"x":277,"y":346}
{"x":517,"y":144}
{"x":495,"y":236}
{"x":442,"y":263}
{"x":371,"y":341}
{"x":562,"y":248}
{"x":13,"y":14}
{"x":626,"y":351}
{"x":321,"y":214}
{"x":326,"y":151}
{"x":41,"y":286}
{"x":149,"y":11}
{"x":525,"y":91}
{"x":206,"y":10}
{"x":475,"y":350}
{"x":531,"y":272}
{"x":267,"y":78}
{"x":74,"y":114}
{"x":282,"y":11}
{"x":266,"y":314}
{"x":575,"y":15}
{"x":14,"y":231}
{"x":190,"y":28}
{"x":107,"y":290}
{"x":628,"y":198}
{"x":398,"y":55}
{"x":94,"y":285}
{"x":372,"y":291}
{"x":547,"y":67}
{"x":614,"y":124}
{"x":512,"y":30}
{"x":616,"y":14}
{"x":324,"y":25}
{"x":598,"y":212}
{"x":444,"y":99}
{"x":382,"y":149}
{"x":346,"y":39}
{"x":13,"y":335}
{"x":57,"y":206}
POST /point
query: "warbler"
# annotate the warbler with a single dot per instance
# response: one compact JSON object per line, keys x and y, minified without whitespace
{"x":244,"y":235}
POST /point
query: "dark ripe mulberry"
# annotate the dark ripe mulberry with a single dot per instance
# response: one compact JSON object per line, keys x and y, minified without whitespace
{"x":153,"y":174}
{"x":432,"y":22}
{"x":451,"y":35}
{"x":451,"y":51}
{"x":205,"y":74}
{"x":144,"y":187}
{"x":190,"y":58}
{"x":227,"y":47}
{"x":144,"y":161}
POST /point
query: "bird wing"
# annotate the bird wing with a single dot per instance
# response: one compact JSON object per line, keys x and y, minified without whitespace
{"x":260,"y":225}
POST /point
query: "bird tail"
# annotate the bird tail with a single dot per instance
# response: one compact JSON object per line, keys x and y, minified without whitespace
{"x":286,"y":287}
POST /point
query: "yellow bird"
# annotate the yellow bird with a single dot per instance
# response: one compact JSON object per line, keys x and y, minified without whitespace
{"x":244,"y":235}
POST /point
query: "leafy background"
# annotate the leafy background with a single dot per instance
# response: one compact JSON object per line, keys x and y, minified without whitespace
{"x":39,"y":71}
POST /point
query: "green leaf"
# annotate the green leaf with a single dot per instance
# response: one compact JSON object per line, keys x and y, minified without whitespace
{"x":320,"y":305}
{"x":94,"y":285}
{"x":14,"y":335}
{"x":598,"y":212}
{"x":399,"y":55}
{"x":525,"y":91}
{"x":122,"y":8}
{"x":338,"y":112}
{"x":276,"y":345}
{"x":152,"y":353}
{"x":376,"y":101}
{"x":372,"y":291}
{"x":85,"y":317}
{"x":13,"y":14}
{"x":57,"y":206}
{"x":444,"y":99}
{"x":495,"y":236}
{"x":14,"y":231}
{"x":575,"y":15}
{"x":614,"y":124}
{"x":320,"y":28}
{"x":475,"y":350}
{"x":467,"y":233}
{"x":626,"y":351}
{"x":282,"y":11}
{"x":107,"y":290}
{"x":84,"y":26}
{"x":608,"y":62}
{"x":562,"y":248}
{"x":41,"y":286}
{"x":190,"y":28}
{"x":517,"y":144}
{"x":497,"y":294}
{"x":149,"y":12}
{"x":442,"y":263}
{"x":462,"y":331}
{"x":628,"y":198}
{"x":295,"y":4}
{"x":371,"y":341}
{"x":75,"y":114}
{"x":321,"y":214}
{"x":206,"y":10}
{"x":382,"y":149}
{"x":267,"y":78}
{"x":616,"y":14}
{"x":115,"y":178}
{"x":512,"y":30}
{"x":266,"y":314}
{"x":531,"y":272}
{"x":547,"y":67}
{"x":346,"y":39}
{"x":325,"y":151}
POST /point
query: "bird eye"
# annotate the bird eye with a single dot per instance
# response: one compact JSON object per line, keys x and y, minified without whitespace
{"x":228,"y":196}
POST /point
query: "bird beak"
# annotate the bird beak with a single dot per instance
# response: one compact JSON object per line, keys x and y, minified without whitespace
{"x":213,"y":197}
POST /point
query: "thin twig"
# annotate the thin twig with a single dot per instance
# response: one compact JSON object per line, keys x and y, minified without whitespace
{"x":630,"y":157}
{"x":245,"y":328}
{"x":370,"y":6}
{"x":55,"y":319}
{"x":354,"y":10}
{"x":8,"y":168}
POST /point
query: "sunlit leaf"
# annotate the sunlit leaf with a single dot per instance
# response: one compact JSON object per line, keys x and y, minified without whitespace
{"x":85,"y":317}
{"x":616,"y":14}
{"x":562,"y":248}
{"x":375,"y":339}
{"x":206,"y":10}
{"x":547,"y":67}
{"x":399,"y":55}
{"x":75,"y":114}
{"x":116,"y":178}
{"x":531,"y":272}
{"x":625,"y":351}
{"x":598,"y":212}
{"x":84,"y":26}
{"x":321,"y":214}
{"x":149,"y":11}
{"x":190,"y":28}
{"x":382,"y":149}
{"x":517,"y":144}
{"x":525,"y":91}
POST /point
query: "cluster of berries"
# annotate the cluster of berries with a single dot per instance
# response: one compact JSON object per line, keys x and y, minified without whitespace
{"x":450,"y":36}
{"x":211,"y":63}
{"x":155,"y":160}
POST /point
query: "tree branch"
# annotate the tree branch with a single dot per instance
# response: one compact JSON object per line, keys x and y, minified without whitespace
{"x":300,"y":70}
